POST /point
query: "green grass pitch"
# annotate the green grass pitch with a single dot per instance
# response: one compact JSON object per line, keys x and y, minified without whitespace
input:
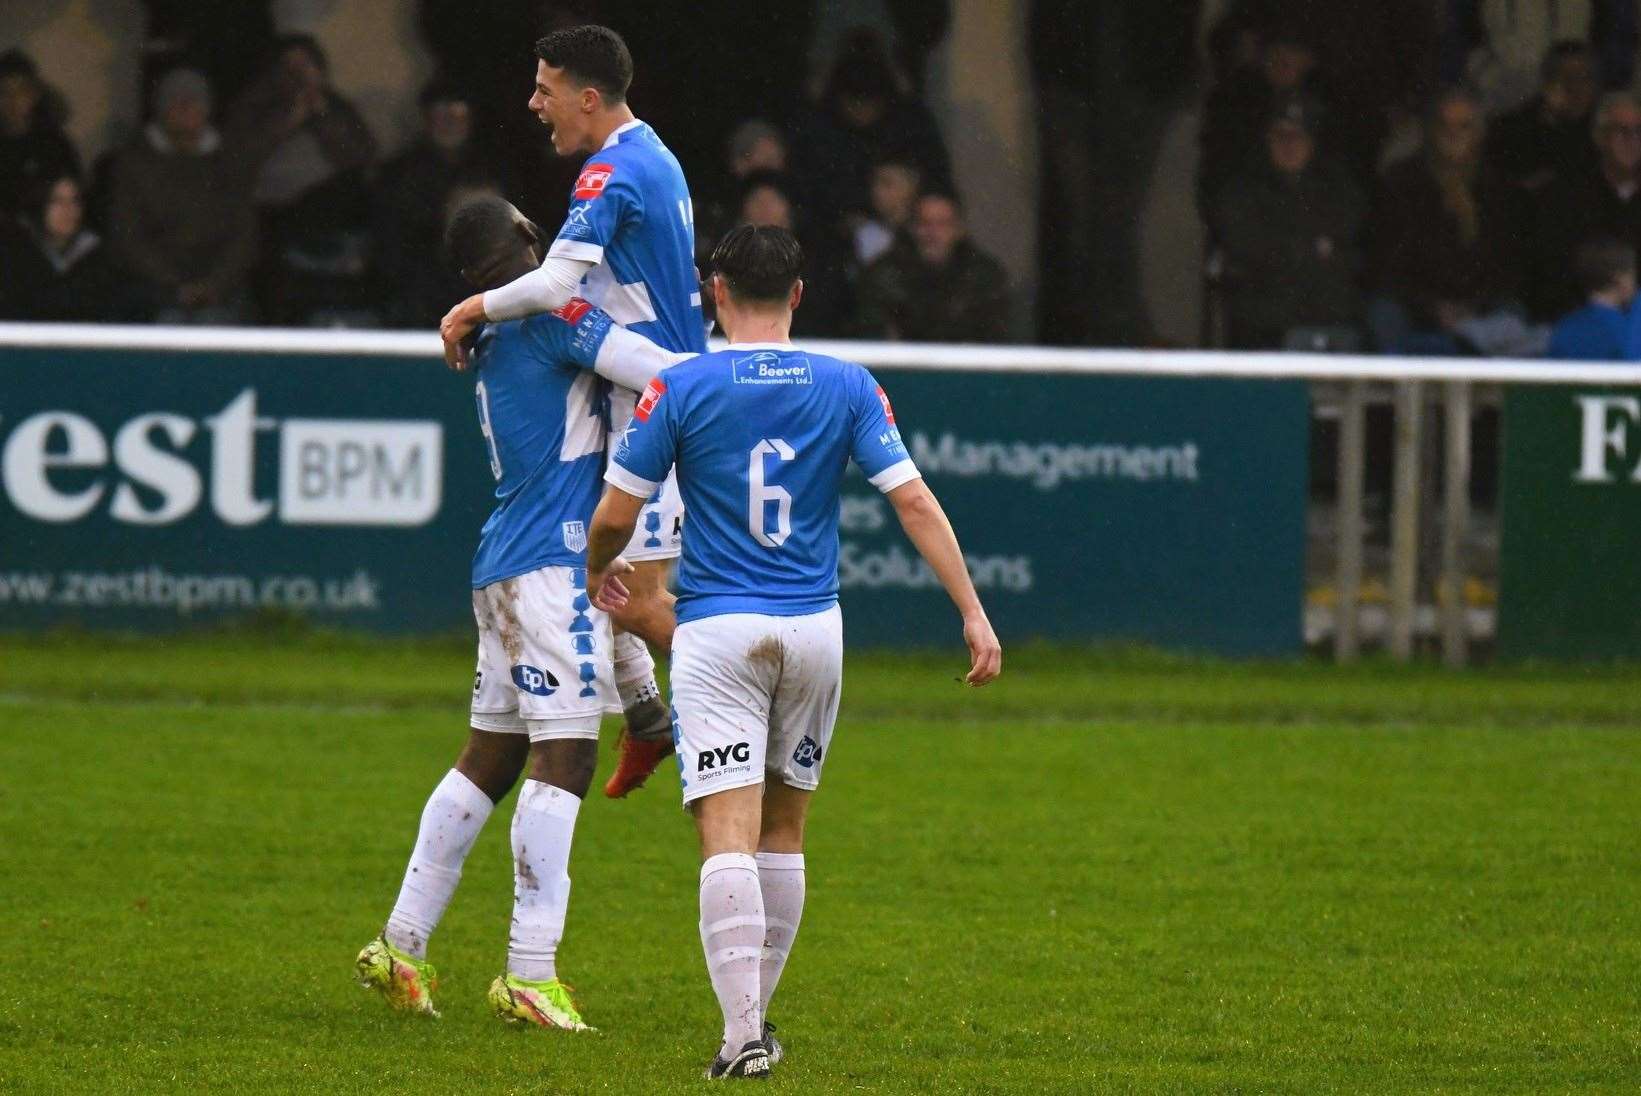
{"x":1109,"y":872}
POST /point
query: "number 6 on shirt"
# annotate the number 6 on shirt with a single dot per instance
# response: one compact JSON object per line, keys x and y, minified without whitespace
{"x":760,"y":495}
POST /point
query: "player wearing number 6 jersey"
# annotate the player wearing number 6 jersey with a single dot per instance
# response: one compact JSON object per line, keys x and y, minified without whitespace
{"x":761,"y":435}
{"x":543,"y":680}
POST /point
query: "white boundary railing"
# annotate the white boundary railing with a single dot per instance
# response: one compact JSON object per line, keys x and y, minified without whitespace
{"x":1407,"y":375}
{"x":963,"y":358}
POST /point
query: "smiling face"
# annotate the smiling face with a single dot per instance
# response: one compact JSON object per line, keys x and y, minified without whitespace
{"x":566,"y":107}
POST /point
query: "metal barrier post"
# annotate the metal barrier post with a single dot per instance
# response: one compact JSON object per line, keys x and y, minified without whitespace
{"x":1404,"y":533}
{"x":1455,"y":522}
{"x":1352,"y":458}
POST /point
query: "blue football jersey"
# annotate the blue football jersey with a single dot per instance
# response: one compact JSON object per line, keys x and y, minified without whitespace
{"x":630,"y":212}
{"x":761,"y":435}
{"x":543,"y":414}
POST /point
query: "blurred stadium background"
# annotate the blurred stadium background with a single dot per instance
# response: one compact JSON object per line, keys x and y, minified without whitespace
{"x":1266,"y":354}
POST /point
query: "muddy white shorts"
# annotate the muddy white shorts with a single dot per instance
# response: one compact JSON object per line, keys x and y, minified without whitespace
{"x":661,"y":522}
{"x":755,"y":694}
{"x":544,"y":657}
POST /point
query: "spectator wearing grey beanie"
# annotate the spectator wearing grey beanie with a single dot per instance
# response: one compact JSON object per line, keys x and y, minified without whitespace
{"x":181,"y":214}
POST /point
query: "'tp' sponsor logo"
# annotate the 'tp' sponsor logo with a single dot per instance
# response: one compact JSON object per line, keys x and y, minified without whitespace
{"x":534,"y":681}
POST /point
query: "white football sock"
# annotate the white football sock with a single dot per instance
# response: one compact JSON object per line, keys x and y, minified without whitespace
{"x":451,"y":821}
{"x":732,"y":935}
{"x":543,"y":825}
{"x":634,"y":671}
{"x":780,"y":878}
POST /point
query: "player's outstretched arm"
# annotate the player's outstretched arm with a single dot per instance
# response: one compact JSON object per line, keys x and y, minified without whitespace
{"x":549,"y":286}
{"x":927,"y":528}
{"x":631,"y":360}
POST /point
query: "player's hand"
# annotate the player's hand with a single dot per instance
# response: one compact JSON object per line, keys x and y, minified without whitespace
{"x":606,"y":589}
{"x":456,"y":326}
{"x":985,"y":653}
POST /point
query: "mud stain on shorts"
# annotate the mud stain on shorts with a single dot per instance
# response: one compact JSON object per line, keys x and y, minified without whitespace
{"x":504,"y":609}
{"x":767,"y":652}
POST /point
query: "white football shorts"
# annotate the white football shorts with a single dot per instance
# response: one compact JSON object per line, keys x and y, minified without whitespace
{"x":755,"y":694}
{"x":544,"y":657}
{"x":660,"y":528}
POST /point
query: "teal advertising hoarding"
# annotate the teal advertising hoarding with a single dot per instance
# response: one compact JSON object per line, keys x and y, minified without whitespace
{"x":151,"y":490}
{"x":1570,"y":509}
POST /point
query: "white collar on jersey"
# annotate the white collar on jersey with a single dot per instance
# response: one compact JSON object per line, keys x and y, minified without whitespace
{"x":615,"y":137}
{"x":762,"y":346}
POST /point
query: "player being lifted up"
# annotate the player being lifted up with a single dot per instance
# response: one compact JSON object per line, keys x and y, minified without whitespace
{"x":627,"y":244}
{"x":543,"y":680}
{"x":761,"y":434}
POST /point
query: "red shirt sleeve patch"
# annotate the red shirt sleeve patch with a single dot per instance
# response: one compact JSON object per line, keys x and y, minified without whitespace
{"x":590,"y":183}
{"x":647,"y":402}
{"x":883,"y":398}
{"x":573,"y":310}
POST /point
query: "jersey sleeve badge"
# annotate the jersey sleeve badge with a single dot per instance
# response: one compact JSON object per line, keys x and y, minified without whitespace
{"x":646,"y":403}
{"x":590,"y":183}
{"x":888,"y":411}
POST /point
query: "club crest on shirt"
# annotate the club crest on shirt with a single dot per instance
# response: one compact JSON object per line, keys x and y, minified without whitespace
{"x":651,"y":397}
{"x":575,"y":536}
{"x":590,"y":183}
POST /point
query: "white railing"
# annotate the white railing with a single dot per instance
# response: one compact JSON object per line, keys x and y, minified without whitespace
{"x":1407,"y":375}
{"x":953,"y":357}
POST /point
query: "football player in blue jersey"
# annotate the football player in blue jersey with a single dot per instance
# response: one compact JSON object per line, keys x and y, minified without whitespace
{"x":543,"y":680}
{"x":761,"y":434}
{"x":627,"y":244}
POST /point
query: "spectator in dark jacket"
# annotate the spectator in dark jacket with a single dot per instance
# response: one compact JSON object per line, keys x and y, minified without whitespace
{"x":1234,"y":117}
{"x":768,"y":198}
{"x":1288,"y":230}
{"x":755,"y":147}
{"x":1599,"y":331}
{"x":1549,"y":137}
{"x":32,"y":145}
{"x":417,"y":283}
{"x":309,"y":152}
{"x":1604,"y":200}
{"x":181,"y":214}
{"x":52,"y":267}
{"x":1443,"y":237}
{"x":941,"y":288}
{"x":865,"y":113}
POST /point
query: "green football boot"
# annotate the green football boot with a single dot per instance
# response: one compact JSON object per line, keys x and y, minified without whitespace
{"x":544,"y":1004}
{"x":404,"y":981}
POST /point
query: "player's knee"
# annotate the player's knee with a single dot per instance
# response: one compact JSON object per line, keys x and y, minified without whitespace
{"x":493,"y":761}
{"x":566,"y":763}
{"x":784,"y":811}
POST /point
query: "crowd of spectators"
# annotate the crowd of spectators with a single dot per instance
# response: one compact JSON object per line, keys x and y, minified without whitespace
{"x":1472,"y":229}
{"x":1455,"y":205}
{"x":279,"y":208}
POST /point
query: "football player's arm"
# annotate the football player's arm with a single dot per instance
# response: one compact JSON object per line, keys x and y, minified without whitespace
{"x":549,"y":286}
{"x":878,"y":450}
{"x":931,"y":533}
{"x":635,"y":473}
{"x":612,"y":528}
{"x":592,"y":340}
{"x":631,"y":360}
